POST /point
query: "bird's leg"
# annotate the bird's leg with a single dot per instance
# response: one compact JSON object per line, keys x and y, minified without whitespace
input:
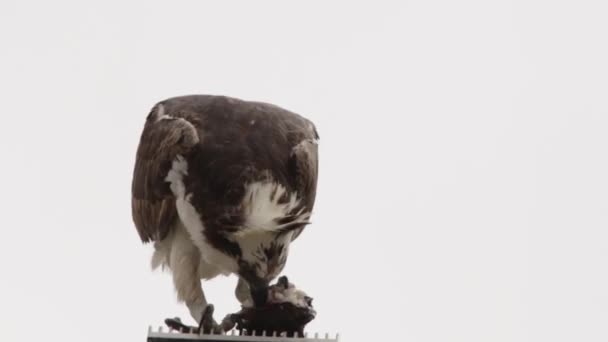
{"x":184,"y":262}
{"x":207,"y":324}
{"x":189,"y":290}
{"x":243,"y":293}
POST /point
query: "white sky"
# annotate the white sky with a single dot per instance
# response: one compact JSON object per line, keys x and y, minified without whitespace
{"x":463,"y":193}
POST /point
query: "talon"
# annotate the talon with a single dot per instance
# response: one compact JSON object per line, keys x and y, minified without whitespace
{"x":228,"y":322}
{"x":207,"y":323}
{"x":176,"y":324}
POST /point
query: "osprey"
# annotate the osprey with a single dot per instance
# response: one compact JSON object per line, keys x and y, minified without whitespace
{"x":223,"y":186}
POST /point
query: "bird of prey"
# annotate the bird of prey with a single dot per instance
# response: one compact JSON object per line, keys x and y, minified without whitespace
{"x":223,"y":186}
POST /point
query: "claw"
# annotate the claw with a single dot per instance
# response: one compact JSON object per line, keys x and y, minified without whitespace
{"x":207,"y":324}
{"x":228,"y":322}
{"x":176,"y":324}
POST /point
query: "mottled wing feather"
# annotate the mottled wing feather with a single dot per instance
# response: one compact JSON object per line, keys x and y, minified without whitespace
{"x":153,"y":219}
{"x":153,"y":204}
{"x":304,"y":166}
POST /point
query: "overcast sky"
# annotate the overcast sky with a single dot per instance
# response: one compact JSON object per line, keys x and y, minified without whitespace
{"x":463,"y":191}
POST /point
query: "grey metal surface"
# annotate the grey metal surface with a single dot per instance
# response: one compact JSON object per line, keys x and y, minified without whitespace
{"x":161,"y":335}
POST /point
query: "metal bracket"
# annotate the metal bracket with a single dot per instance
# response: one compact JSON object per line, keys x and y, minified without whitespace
{"x":232,"y":336}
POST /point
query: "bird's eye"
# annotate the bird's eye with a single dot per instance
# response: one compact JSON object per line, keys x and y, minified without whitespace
{"x":308,"y":300}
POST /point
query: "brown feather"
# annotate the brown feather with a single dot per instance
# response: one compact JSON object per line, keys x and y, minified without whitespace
{"x":304,"y":167}
{"x":153,"y":204}
{"x":227,"y":142}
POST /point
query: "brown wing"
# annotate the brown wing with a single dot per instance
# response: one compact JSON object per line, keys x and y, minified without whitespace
{"x":162,"y":139}
{"x":304,"y":166}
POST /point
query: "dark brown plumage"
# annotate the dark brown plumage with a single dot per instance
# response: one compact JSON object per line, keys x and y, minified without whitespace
{"x":230,"y":150}
{"x":238,"y":177}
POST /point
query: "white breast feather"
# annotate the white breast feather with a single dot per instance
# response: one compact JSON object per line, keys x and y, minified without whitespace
{"x":192,"y":220}
{"x":262,"y":208}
